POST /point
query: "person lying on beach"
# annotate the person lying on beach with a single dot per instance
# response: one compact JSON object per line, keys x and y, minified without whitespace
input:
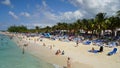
{"x":58,"y":52}
{"x":92,"y":50}
{"x":96,"y":51}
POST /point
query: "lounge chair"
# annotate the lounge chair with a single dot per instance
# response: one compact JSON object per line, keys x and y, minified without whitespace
{"x":87,"y":42}
{"x":96,"y":51}
{"x":112,"y":52}
{"x":112,"y":44}
{"x":93,"y":51}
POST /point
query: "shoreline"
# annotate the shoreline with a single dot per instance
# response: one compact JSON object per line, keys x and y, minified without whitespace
{"x":80,"y":56}
{"x":55,"y":60}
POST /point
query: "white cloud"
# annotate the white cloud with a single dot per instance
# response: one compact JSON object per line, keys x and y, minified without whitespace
{"x":86,"y":9}
{"x":44,"y":3}
{"x":7,"y":2}
{"x":50,"y":15}
{"x":44,"y":16}
{"x":13,"y":15}
{"x":93,"y":7}
{"x":68,"y":16}
{"x":26,"y":14}
{"x":71,"y":16}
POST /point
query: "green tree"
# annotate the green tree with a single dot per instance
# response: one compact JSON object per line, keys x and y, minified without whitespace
{"x":37,"y":29}
{"x":114,"y":22}
{"x":100,"y":19}
{"x":118,"y":13}
{"x":17,"y":29}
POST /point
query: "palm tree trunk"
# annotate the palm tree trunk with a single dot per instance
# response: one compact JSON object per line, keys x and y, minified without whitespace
{"x":92,"y":34}
{"x":113,"y":33}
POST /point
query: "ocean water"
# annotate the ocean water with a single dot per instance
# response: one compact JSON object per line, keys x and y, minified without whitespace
{"x":11,"y":56}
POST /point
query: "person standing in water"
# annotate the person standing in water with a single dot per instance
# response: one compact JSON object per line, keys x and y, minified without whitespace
{"x":25,"y":45}
{"x":23,"y":51}
{"x":68,"y":63}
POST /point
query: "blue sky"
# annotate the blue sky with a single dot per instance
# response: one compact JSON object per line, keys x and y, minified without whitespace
{"x":42,"y":13}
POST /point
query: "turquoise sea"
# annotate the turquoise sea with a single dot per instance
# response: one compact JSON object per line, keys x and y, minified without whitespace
{"x":11,"y":56}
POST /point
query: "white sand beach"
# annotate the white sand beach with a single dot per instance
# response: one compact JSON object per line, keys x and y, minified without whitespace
{"x":80,"y":57}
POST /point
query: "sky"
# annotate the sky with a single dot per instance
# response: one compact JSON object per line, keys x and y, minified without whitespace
{"x":43,"y":13}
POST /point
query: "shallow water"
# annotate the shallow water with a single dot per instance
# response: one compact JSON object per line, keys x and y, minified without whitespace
{"x":11,"y":56}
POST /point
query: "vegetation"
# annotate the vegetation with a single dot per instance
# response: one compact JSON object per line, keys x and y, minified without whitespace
{"x":17,"y":29}
{"x":95,"y":25}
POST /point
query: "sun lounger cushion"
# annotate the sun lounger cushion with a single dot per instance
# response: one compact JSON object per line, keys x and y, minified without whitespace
{"x":95,"y":51}
{"x":112,"y":52}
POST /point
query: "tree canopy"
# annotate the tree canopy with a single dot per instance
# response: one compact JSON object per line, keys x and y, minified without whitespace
{"x":95,"y":25}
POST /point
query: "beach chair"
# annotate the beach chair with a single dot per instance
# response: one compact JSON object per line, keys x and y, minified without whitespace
{"x":112,"y":52}
{"x":97,"y":51}
{"x":87,"y":42}
{"x":112,"y":44}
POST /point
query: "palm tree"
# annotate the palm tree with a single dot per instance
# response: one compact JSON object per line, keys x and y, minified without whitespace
{"x":61,"y":26}
{"x":85,"y":25}
{"x":75,"y":28}
{"x":100,"y":19}
{"x":54,"y":28}
{"x":118,"y":13}
{"x":47,"y":29}
{"x":79,"y":25}
{"x":118,"y":18}
{"x":37,"y":29}
{"x":114,"y":23}
{"x":92,"y":26}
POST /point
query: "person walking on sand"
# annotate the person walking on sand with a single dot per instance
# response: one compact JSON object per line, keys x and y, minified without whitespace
{"x":44,"y":44}
{"x":63,"y":52}
{"x":68,"y":63}
{"x":50,"y":46}
{"x":77,"y":43}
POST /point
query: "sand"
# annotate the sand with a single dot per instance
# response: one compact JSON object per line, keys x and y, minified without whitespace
{"x":80,"y":57}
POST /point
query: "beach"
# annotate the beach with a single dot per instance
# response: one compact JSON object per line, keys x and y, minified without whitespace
{"x":80,"y":57}
{"x":60,"y":34}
